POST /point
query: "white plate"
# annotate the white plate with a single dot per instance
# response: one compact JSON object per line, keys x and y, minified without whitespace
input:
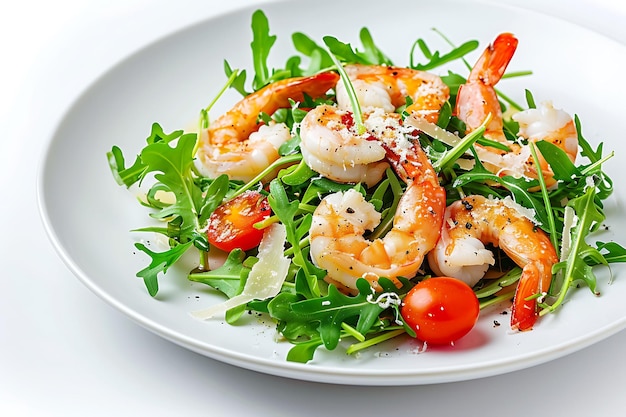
{"x":88,"y":216}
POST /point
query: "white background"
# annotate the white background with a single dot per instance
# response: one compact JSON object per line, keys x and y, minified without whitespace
{"x":63,"y":352}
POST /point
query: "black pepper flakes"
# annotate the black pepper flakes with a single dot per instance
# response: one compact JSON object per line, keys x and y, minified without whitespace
{"x":468,"y":206}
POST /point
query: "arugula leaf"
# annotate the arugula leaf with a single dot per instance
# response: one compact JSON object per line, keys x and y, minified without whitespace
{"x":322,"y":186}
{"x":121,"y":174}
{"x":161,"y":262}
{"x":136,"y":172}
{"x":581,"y":257}
{"x":530,"y":99}
{"x":292,"y":326}
{"x":239,"y":81}
{"x":487,"y":288}
{"x":227,"y":278}
{"x":213,"y":196}
{"x":614,"y":251}
{"x":344,"y":52}
{"x":586,"y":149}
{"x":318,"y":56}
{"x":297,"y":174}
{"x":157,"y":135}
{"x":559,"y":162}
{"x":261,"y":45}
{"x":309,"y":324}
{"x":387,"y":215}
{"x":173,"y":167}
{"x":436,"y":59}
{"x":357,"y":114}
{"x":303,"y":352}
{"x":286,"y":211}
{"x":331,"y":311}
{"x":371,"y":52}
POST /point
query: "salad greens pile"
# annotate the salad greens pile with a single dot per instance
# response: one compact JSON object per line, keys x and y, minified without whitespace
{"x":309,"y":312}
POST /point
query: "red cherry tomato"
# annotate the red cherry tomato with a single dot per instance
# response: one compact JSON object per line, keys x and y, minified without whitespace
{"x":440,"y":310}
{"x":231,"y":225}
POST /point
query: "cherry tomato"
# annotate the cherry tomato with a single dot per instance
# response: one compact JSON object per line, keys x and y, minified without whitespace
{"x":440,"y":310}
{"x":231,"y":225}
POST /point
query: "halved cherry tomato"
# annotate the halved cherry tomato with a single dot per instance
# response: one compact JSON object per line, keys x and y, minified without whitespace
{"x":441,"y":310}
{"x":231,"y":225}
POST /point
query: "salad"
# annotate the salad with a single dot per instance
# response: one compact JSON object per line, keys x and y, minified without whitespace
{"x":348,"y":198}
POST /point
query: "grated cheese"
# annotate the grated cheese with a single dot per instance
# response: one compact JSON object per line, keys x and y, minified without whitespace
{"x":266,"y":276}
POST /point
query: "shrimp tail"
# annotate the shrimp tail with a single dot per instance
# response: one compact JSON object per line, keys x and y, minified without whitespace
{"x":523,"y":312}
{"x":492,"y":64}
{"x":535,"y":279}
{"x":477,"y":98}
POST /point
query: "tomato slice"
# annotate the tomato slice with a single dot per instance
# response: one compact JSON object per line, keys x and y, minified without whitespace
{"x":441,"y":310}
{"x":231,"y":225}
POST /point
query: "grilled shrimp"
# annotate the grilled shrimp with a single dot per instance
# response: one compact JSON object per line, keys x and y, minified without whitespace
{"x":474,"y":221}
{"x":477,"y":99}
{"x":386,"y":87}
{"x":340,"y":221}
{"x":331,"y":145}
{"x":235,"y":145}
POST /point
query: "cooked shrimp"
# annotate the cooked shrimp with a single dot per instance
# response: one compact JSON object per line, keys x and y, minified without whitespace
{"x":244,"y":160}
{"x":340,"y":221}
{"x":474,"y":221}
{"x":385,"y":87}
{"x":229,"y":147}
{"x":477,"y":99}
{"x":331,"y":145}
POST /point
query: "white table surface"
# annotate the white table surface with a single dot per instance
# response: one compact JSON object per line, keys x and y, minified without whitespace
{"x":64,"y":352}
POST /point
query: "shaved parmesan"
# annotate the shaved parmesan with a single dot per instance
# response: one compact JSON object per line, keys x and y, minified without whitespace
{"x":266,"y":277}
{"x":569,"y":222}
{"x":433,"y":130}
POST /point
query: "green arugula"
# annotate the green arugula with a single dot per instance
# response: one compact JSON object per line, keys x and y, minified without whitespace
{"x":435,"y":59}
{"x":287,"y":211}
{"x":261,"y":45}
{"x":160,"y":263}
{"x":325,"y":320}
{"x":228,"y":277}
{"x":170,"y":159}
{"x":371,"y":55}
{"x":577,"y":263}
{"x":318,"y":56}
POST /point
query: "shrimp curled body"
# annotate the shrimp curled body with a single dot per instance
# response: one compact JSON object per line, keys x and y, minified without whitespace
{"x":331,"y":146}
{"x":340,"y":221}
{"x":234,"y":144}
{"x":474,"y":221}
{"x":387,"y":88}
{"x":477,"y":99}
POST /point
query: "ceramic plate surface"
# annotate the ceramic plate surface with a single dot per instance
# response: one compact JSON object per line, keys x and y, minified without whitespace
{"x":89,"y":217}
